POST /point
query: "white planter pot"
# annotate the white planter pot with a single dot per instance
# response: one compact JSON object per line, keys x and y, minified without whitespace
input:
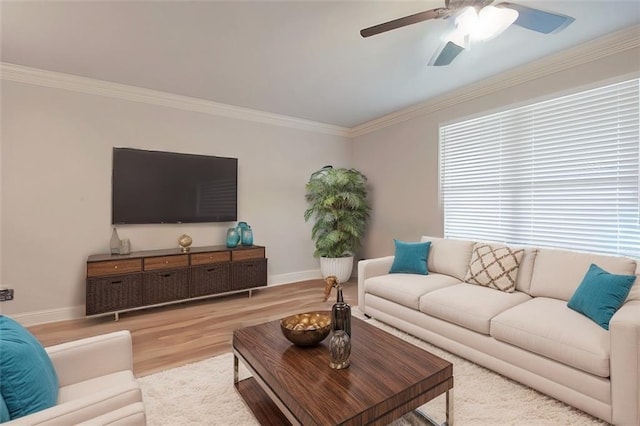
{"x":341,"y":267}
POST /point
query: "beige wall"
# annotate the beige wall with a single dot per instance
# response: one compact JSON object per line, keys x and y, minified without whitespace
{"x":56,"y":188}
{"x":55,"y":166}
{"x":401,"y":161}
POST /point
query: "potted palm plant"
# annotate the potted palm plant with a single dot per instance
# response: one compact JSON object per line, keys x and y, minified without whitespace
{"x":338,"y":203}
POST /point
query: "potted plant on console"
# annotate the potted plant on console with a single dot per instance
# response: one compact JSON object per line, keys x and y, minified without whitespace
{"x":338,"y":203}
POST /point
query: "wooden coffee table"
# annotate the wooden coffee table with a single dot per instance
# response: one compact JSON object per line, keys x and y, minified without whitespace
{"x":387,"y":378}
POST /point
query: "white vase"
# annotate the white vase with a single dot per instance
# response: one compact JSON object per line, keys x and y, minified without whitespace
{"x":341,"y":267}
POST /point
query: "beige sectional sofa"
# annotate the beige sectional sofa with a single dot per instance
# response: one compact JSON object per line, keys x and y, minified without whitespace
{"x":529,"y":335}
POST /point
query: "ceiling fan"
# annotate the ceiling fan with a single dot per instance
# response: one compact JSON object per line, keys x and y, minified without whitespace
{"x":476,"y":20}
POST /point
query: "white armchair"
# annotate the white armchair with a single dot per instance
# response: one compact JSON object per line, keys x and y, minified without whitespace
{"x":97,"y":385}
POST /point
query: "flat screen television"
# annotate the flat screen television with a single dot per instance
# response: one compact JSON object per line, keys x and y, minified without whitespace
{"x":167,"y":187}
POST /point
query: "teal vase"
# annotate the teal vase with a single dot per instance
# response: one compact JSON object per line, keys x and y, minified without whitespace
{"x":233,"y":238}
{"x":240,"y":228}
{"x":247,"y":237}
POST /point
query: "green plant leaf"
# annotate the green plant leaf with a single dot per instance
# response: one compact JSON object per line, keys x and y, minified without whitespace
{"x":338,"y":205}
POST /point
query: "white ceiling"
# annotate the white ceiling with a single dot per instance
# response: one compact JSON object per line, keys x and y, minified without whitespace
{"x":302,"y":59}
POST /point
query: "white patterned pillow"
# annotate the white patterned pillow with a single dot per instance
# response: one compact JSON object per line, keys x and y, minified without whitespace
{"x":494,"y":266}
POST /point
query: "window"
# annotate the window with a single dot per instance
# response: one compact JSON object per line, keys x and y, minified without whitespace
{"x":561,"y":173}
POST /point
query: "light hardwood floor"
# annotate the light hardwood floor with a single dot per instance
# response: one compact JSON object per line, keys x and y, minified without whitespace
{"x":170,"y":336}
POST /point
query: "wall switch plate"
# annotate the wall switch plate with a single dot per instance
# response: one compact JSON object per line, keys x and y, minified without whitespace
{"x":6,"y":294}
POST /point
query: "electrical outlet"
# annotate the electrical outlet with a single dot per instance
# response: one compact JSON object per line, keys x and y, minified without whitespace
{"x":6,"y":294}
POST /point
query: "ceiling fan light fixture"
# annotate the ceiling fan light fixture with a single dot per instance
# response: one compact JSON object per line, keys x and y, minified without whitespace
{"x":459,"y":38}
{"x":465,"y":23}
{"x":467,"y":20}
{"x":478,"y":22}
{"x":492,"y":21}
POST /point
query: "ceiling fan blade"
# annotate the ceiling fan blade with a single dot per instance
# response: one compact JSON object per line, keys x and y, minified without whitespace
{"x":402,"y":22}
{"x":539,"y":20}
{"x":446,"y":54}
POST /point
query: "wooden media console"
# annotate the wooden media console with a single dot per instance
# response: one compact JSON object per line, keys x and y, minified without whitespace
{"x":120,"y":283}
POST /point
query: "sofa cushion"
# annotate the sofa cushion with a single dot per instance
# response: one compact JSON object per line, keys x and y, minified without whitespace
{"x":79,"y":390}
{"x":406,"y":289}
{"x":28,"y":381}
{"x":634,"y":293}
{"x":132,"y":414}
{"x":525,"y":271}
{"x":469,"y":305}
{"x":449,"y":257}
{"x":547,"y":327}
{"x":410,"y":258}
{"x":494,"y":266}
{"x":558,"y":273}
{"x":601,"y":294}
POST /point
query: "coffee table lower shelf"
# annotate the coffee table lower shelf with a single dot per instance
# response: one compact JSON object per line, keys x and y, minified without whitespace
{"x":262,"y":407}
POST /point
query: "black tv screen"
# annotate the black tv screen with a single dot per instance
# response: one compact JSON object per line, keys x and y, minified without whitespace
{"x":167,"y":187}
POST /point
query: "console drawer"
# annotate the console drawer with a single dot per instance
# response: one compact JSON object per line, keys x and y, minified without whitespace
{"x":110,"y":267}
{"x":212,"y":257}
{"x":114,"y":293}
{"x":249,"y":274}
{"x":246,"y":254}
{"x":165,"y":262}
{"x":165,"y":286}
{"x":209,"y":279}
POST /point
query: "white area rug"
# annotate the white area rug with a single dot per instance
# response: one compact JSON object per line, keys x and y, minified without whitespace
{"x":202,"y":393}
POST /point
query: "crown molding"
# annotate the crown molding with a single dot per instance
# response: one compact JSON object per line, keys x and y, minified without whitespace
{"x":57,"y":80}
{"x":626,"y":39}
{"x":623,"y":40}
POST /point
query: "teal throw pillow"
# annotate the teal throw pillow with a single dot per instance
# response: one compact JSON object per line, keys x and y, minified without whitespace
{"x":28,"y":381}
{"x":410,"y":258}
{"x":4,"y":411}
{"x":600,"y":294}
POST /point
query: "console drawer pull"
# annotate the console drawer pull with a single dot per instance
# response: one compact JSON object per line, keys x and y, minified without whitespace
{"x":166,"y":275}
{"x":116,"y":282}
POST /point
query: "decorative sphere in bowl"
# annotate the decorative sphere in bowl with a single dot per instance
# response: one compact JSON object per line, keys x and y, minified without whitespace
{"x":306,"y":329}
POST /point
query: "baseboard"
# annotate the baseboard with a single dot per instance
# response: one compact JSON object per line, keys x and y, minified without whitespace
{"x":294,"y":277}
{"x":75,"y":312}
{"x":49,"y":315}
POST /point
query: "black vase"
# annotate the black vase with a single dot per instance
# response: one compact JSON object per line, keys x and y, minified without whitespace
{"x":341,"y":315}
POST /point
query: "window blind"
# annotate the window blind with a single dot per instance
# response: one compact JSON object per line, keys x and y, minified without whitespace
{"x":562,"y":173}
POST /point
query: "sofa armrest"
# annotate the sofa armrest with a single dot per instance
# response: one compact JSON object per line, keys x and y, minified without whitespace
{"x":371,"y":268}
{"x":91,"y":357}
{"x":84,"y":409}
{"x":625,"y":364}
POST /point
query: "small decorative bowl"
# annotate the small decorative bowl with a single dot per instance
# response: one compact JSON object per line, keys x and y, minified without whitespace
{"x":306,"y":329}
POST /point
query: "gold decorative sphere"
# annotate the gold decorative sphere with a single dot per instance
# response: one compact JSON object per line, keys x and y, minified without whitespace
{"x":185,"y":242}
